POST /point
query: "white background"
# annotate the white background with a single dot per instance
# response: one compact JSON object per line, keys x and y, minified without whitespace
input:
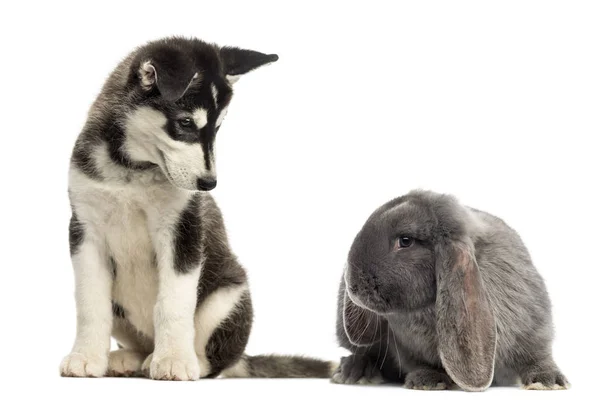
{"x":497,"y":103}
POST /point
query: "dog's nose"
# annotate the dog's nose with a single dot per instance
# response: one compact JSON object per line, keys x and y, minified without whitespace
{"x":206,"y":183}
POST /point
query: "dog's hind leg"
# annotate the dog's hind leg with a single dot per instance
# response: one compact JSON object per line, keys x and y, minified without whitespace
{"x":125,"y":362}
{"x":223,"y":322}
{"x":134,"y":348}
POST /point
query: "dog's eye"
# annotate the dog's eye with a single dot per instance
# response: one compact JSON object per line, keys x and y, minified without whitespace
{"x":404,"y":242}
{"x":187,"y":122}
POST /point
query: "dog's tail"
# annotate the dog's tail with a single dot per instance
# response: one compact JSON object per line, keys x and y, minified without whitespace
{"x":280,"y":366}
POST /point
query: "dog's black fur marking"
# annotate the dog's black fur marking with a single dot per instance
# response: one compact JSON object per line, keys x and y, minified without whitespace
{"x":207,"y":148}
{"x":218,"y":271}
{"x":113,"y":267}
{"x":82,"y":158}
{"x":118,"y":310}
{"x":187,"y":245}
{"x":76,"y":233}
{"x":216,"y":274}
{"x":115,"y":137}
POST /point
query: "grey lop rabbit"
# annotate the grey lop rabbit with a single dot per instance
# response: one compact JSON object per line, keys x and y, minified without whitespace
{"x":435,"y":294}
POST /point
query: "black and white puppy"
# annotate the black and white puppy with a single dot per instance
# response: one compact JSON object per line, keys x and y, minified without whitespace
{"x":153,"y":267}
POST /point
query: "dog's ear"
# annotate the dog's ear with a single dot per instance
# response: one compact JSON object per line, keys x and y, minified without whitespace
{"x":170,"y":70}
{"x":238,"y":61}
{"x":465,"y":322}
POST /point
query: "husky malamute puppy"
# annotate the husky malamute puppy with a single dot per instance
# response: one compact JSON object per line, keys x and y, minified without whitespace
{"x":152,"y":263}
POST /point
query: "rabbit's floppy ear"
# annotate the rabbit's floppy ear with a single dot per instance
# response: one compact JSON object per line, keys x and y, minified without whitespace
{"x":466,"y":326}
{"x":360,"y":324}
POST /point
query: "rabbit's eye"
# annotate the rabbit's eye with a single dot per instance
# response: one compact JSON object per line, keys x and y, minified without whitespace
{"x":404,"y":242}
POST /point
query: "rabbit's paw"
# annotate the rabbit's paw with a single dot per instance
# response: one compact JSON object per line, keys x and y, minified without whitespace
{"x":357,"y":369}
{"x":427,"y":379}
{"x":548,"y":380}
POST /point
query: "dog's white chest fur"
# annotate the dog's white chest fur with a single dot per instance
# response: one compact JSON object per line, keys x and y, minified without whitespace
{"x":136,"y":283}
{"x":126,"y":220}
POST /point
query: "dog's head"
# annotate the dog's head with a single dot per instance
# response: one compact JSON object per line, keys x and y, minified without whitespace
{"x":179,"y":90}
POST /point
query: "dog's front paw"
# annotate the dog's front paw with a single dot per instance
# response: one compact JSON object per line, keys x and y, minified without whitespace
{"x":84,"y":365}
{"x":357,"y":369}
{"x":550,"y":380}
{"x":125,"y":362}
{"x":175,"y":368}
{"x":427,"y":379}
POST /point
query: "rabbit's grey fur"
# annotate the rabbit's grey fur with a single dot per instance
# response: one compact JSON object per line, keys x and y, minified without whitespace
{"x":463,"y":304}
